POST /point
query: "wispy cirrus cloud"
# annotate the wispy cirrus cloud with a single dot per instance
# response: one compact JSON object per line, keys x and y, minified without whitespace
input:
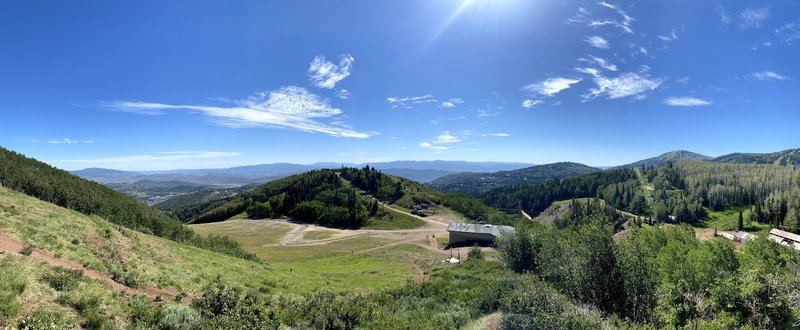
{"x":789,"y":31}
{"x":753,"y":18}
{"x":668,"y":37}
{"x":685,"y":101}
{"x":624,"y":85}
{"x":599,"y":61}
{"x":152,"y":161}
{"x":343,"y":94}
{"x":724,"y":17}
{"x":767,"y":75}
{"x":530,"y":103}
{"x":326,"y":74}
{"x":69,"y":141}
{"x":427,"y":145}
{"x":598,"y":42}
{"x":551,"y":86}
{"x":289,"y":107}
{"x":496,"y":135}
{"x":408,"y":102}
{"x":587,"y":18}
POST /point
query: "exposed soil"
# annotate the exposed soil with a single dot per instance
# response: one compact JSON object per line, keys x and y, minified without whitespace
{"x":8,"y":243}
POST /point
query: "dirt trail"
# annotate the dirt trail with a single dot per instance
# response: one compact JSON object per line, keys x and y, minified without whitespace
{"x":494,"y":323}
{"x":8,"y":243}
{"x":292,"y":235}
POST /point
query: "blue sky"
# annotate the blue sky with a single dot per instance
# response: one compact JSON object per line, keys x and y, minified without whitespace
{"x":195,"y":84}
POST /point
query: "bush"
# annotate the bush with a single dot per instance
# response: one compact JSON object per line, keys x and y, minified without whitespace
{"x":143,"y":313}
{"x":50,"y":319}
{"x":62,"y":279}
{"x":126,"y":276}
{"x":27,"y":250}
{"x":179,"y":317}
{"x":475,"y":252}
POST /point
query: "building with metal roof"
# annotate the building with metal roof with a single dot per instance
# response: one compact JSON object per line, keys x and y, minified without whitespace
{"x":785,"y":238}
{"x":466,"y":233}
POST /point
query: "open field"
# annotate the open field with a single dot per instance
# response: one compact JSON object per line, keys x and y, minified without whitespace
{"x":728,"y":220}
{"x":343,"y":264}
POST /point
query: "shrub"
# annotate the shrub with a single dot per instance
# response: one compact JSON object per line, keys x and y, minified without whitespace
{"x":143,"y":313}
{"x":62,"y":279}
{"x":179,"y":317}
{"x":475,"y":253}
{"x":124,"y":275}
{"x":27,"y":250}
{"x":46,"y":318}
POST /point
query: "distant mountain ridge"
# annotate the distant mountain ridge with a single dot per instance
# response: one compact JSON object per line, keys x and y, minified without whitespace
{"x":421,"y":171}
{"x":476,"y":183}
{"x":663,"y":159}
{"x":785,"y":157}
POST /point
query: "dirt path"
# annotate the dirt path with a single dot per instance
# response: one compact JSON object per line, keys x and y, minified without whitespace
{"x":292,"y":235}
{"x":8,"y":243}
{"x":494,"y":322}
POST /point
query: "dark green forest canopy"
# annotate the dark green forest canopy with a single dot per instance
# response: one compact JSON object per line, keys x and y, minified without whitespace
{"x":344,"y":197}
{"x":59,"y":187}
{"x":477,"y":183}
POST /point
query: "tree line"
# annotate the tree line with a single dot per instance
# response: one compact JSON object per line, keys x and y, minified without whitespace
{"x":59,"y":187}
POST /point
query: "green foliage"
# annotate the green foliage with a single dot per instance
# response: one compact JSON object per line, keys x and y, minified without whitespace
{"x":534,"y":305}
{"x":46,"y":319}
{"x":27,"y":249}
{"x":179,"y":317}
{"x":475,"y":253}
{"x":535,"y":198}
{"x":227,"y":308}
{"x":59,"y":187}
{"x":13,"y":282}
{"x":62,"y":279}
{"x":89,"y":304}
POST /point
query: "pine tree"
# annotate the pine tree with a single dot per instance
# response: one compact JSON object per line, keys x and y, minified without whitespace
{"x":741,"y":221}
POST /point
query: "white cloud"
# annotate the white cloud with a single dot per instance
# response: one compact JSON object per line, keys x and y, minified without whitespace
{"x":529,"y":103}
{"x":551,"y":86}
{"x":600,"y":62}
{"x":289,"y":107}
{"x":723,"y":15}
{"x":597,"y":41}
{"x":67,"y":141}
{"x":427,"y":145}
{"x":767,"y":75}
{"x":154,"y":161}
{"x":496,"y":134}
{"x":590,"y":71}
{"x":445,"y":137}
{"x":789,"y":31}
{"x":407,"y":101}
{"x":685,"y":101}
{"x":753,"y":18}
{"x":585,"y":17}
{"x":343,"y":94}
{"x":670,"y":37}
{"x":643,"y":50}
{"x":451,"y":103}
{"x":325,"y":74}
{"x":624,"y":85}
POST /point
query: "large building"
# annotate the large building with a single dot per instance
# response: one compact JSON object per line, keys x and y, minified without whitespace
{"x":467,"y":233}
{"x":785,"y":238}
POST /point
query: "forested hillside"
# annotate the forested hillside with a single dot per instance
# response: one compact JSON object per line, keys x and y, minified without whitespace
{"x":59,"y":187}
{"x":476,"y":183}
{"x":658,"y":277}
{"x":785,"y":157}
{"x":668,"y":157}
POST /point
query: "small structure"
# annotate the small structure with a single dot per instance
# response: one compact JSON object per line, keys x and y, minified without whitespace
{"x":785,"y":238}
{"x":464,"y":233}
{"x":738,"y":236}
{"x":421,"y":209}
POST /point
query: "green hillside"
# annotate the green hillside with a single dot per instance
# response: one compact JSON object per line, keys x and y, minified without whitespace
{"x":476,"y":183}
{"x":785,"y":157}
{"x":665,"y":158}
{"x":59,"y":187}
{"x":346,"y":198}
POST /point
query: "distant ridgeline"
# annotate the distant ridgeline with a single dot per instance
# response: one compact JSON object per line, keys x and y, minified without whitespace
{"x":346,"y":197}
{"x":477,"y":183}
{"x":59,"y":187}
{"x":676,"y":192}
